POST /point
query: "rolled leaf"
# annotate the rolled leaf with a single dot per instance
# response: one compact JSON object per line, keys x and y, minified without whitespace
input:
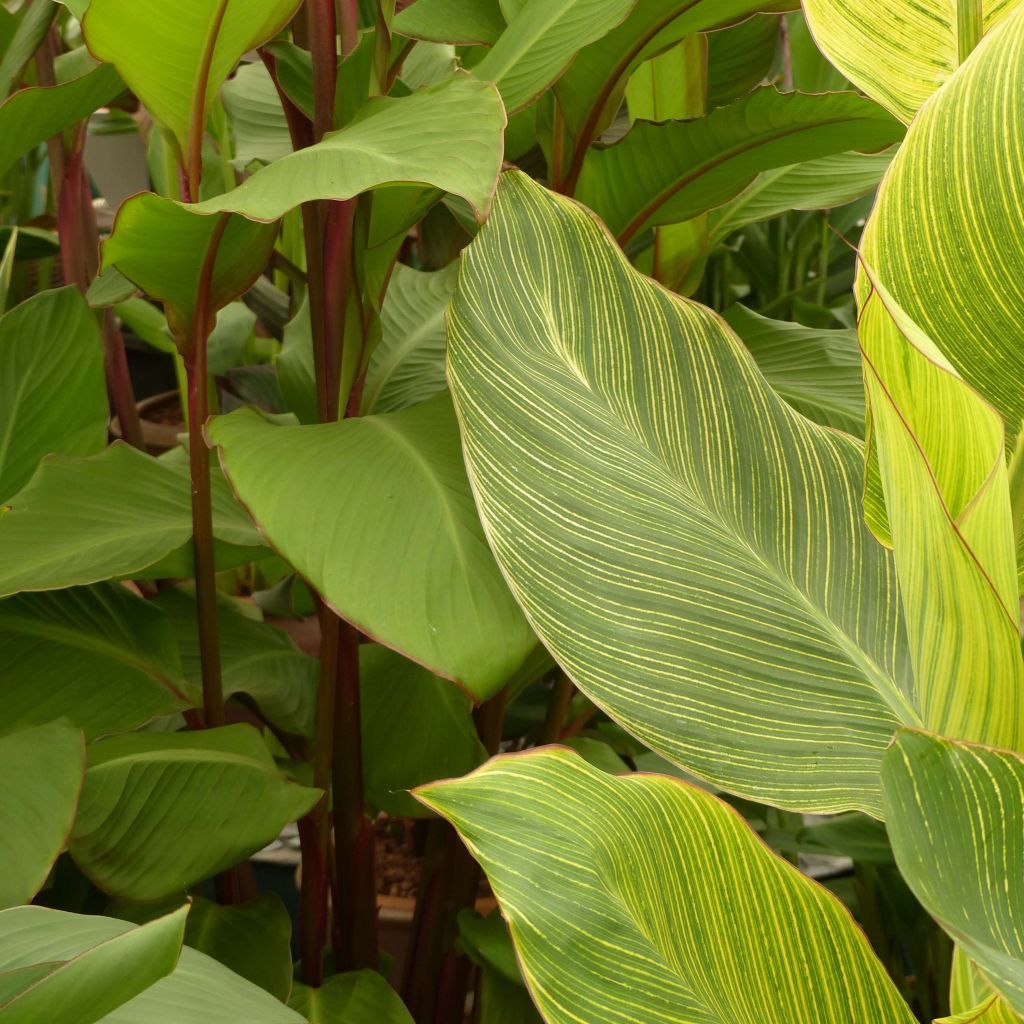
{"x":687,"y":546}
{"x":643,"y":898}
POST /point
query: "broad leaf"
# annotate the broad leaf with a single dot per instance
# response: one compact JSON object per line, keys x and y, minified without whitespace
{"x":643,"y":898}
{"x":198,"y":990}
{"x":666,"y":173}
{"x":33,"y":24}
{"x":258,"y":125}
{"x":175,"y":59}
{"x":40,"y":778}
{"x":452,"y":21}
{"x":416,"y":728}
{"x":956,"y":816}
{"x":97,"y":656}
{"x":817,"y":372}
{"x":939,"y":450}
{"x":161,"y":812}
{"x":32,"y":115}
{"x":256,"y":659}
{"x":89,"y":984}
{"x":119,"y":513}
{"x":407,"y":366}
{"x":53,"y":395}
{"x":251,"y":939}
{"x":941,"y":240}
{"x":972,"y":998}
{"x":386,"y":531}
{"x":354,"y":998}
{"x":901,"y":51}
{"x":171,"y":272}
{"x":448,"y":136}
{"x":687,"y":546}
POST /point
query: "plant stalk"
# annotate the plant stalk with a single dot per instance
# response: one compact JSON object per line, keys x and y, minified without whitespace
{"x":202,"y":506}
{"x":970,"y":26}
{"x":558,"y":705}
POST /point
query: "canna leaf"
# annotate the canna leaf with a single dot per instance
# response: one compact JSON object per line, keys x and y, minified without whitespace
{"x":452,"y":21}
{"x":972,"y":998}
{"x":42,"y":772}
{"x":956,"y":816}
{"x":35,"y":940}
{"x":356,"y":997}
{"x":683,"y":542}
{"x":161,"y":812}
{"x":643,"y":898}
{"x":901,"y":51}
{"x":53,"y":395}
{"x":667,"y":173}
{"x":386,"y":532}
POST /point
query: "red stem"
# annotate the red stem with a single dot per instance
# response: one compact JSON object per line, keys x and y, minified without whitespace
{"x":323,"y":43}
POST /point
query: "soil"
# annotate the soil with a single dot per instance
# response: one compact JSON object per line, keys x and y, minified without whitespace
{"x":168,"y":412}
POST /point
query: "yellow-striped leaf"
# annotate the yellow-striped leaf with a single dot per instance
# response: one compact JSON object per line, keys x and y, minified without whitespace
{"x":944,"y":236}
{"x":641,"y":898}
{"x":955,"y":813}
{"x":972,"y":998}
{"x":940,"y":464}
{"x":687,"y":546}
{"x":901,"y":51}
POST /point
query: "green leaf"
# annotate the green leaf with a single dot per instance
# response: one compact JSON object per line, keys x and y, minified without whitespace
{"x":175,"y":59}
{"x":42,"y":771}
{"x":416,"y":728}
{"x":816,"y":372}
{"x":956,"y":815}
{"x":667,"y":173}
{"x":53,"y":396}
{"x":354,"y":998}
{"x":452,"y":21}
{"x":34,"y":22}
{"x":407,"y":366}
{"x":88,"y":985}
{"x":119,"y":513}
{"x":32,"y":115}
{"x":256,"y":659}
{"x":541,"y":41}
{"x":448,"y":136}
{"x":951,"y":261}
{"x":161,"y":812}
{"x":686,"y":545}
{"x":939,"y":450}
{"x":252,"y":939}
{"x":258,"y":125}
{"x":643,"y":898}
{"x":197,"y":991}
{"x":972,"y":998}
{"x":385,"y":529}
{"x":171,"y":272}
{"x":99,"y":657}
{"x":900,"y":51}
{"x":741,"y":58}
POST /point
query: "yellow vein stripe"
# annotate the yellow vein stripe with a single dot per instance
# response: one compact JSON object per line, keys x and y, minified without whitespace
{"x":898,"y":51}
{"x":944,"y":238}
{"x":940,"y":466}
{"x":972,"y":998}
{"x":686,"y":545}
{"x":955,"y":813}
{"x":640,"y":898}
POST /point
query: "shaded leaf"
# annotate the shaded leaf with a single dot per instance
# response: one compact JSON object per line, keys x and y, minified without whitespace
{"x":350,"y":999}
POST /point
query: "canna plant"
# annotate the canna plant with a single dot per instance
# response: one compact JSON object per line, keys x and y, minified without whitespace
{"x":522,"y":375}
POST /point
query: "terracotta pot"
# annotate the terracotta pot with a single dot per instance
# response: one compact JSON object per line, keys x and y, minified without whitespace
{"x":158,"y":436}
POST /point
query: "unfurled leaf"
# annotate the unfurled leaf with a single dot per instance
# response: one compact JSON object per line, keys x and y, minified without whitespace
{"x":955,"y":815}
{"x":407,"y":366}
{"x":416,"y":728}
{"x":448,"y":136}
{"x":258,"y":124}
{"x":40,"y":777}
{"x":687,"y":546}
{"x":161,"y":812}
{"x":901,"y":51}
{"x":98,"y":657}
{"x":91,"y":983}
{"x":940,"y":462}
{"x":53,"y":395}
{"x":452,"y":21}
{"x":666,"y":173}
{"x":816,"y":372}
{"x":354,"y":998}
{"x":175,"y":59}
{"x":397,"y":547}
{"x":643,"y":898}
{"x":34,"y":941}
{"x":940,"y":239}
{"x":256,"y":659}
{"x":118,"y":513}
